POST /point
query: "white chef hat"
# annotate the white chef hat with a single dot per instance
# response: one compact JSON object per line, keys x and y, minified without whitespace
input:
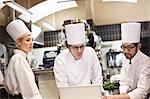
{"x":75,"y":33}
{"x":130,"y":32}
{"x":17,"y":29}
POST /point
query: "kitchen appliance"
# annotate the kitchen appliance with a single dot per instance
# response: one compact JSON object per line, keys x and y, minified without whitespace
{"x":3,"y":57}
{"x":48,"y":58}
{"x":3,"y":61}
{"x":114,"y":58}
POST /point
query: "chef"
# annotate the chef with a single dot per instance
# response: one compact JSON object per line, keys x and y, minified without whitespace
{"x":19,"y":77}
{"x":135,"y":81}
{"x":77,"y":65}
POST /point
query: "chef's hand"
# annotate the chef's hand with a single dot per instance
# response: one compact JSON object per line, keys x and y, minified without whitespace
{"x":38,"y":69}
{"x":109,"y":97}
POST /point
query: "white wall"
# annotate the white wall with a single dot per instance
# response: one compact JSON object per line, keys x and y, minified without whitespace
{"x":117,"y":12}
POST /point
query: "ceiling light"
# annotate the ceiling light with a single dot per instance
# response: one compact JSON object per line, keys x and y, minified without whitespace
{"x":47,"y":7}
{"x":17,"y":7}
{"x":131,"y":1}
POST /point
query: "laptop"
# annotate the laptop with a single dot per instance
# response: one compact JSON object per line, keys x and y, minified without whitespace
{"x":81,"y":92}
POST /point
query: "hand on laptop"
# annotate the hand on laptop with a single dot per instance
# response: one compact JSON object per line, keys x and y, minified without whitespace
{"x":118,"y":96}
{"x":109,"y":97}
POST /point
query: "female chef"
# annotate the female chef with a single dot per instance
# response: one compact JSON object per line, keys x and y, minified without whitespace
{"x":19,"y":77}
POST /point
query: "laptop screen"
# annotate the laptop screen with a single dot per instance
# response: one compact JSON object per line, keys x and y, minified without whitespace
{"x":81,"y":92}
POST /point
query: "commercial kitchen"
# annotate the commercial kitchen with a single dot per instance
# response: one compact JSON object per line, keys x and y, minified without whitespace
{"x":46,"y":19}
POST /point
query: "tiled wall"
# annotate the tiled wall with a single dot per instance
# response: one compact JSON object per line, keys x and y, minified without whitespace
{"x":145,"y":29}
{"x":51,"y":38}
{"x":107,"y":32}
{"x":113,"y":32}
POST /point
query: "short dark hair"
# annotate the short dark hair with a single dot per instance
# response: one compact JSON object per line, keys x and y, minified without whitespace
{"x":136,"y":43}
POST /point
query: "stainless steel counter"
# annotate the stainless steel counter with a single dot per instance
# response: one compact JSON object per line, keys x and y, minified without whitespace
{"x":37,"y":72}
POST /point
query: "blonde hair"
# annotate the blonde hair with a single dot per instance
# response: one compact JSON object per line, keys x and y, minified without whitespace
{"x":20,"y":38}
{"x":25,"y":34}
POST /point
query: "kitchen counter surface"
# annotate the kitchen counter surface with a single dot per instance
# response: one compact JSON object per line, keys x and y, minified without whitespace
{"x":39,"y":71}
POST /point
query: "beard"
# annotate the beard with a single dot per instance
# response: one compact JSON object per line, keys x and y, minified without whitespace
{"x":129,"y":56}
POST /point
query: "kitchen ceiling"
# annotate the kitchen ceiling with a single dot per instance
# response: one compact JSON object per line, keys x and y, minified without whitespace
{"x":101,"y":13}
{"x":39,"y":8}
{"x":44,"y":9}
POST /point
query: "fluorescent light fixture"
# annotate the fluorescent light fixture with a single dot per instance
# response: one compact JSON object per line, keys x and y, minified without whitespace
{"x":17,"y":7}
{"x":47,"y":7}
{"x":47,"y":25}
{"x":63,"y":1}
{"x":130,"y":1}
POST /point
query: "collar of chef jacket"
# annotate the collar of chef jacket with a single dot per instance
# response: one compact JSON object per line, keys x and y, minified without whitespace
{"x":21,"y":52}
{"x":72,"y":58}
{"x":134,"y":59}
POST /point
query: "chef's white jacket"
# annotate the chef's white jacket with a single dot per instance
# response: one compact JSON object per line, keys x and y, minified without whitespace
{"x":136,"y":76}
{"x":71,"y":72}
{"x":19,"y":77}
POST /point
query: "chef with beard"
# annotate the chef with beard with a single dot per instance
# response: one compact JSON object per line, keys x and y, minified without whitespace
{"x":135,"y":72}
